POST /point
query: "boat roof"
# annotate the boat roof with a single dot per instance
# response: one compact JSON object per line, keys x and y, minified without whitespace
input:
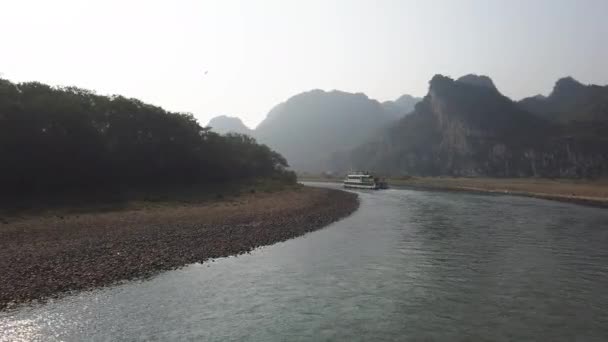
{"x":359,"y":173}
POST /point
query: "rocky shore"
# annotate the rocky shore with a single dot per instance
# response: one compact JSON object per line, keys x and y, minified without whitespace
{"x":48,"y":255}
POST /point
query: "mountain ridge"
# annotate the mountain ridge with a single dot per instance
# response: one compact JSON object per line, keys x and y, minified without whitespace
{"x":471,"y":129}
{"x":402,"y":106}
{"x":311,"y":127}
{"x":570,"y":101}
{"x":461,"y":127}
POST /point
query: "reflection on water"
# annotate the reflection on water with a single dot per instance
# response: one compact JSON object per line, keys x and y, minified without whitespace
{"x":408,"y":264}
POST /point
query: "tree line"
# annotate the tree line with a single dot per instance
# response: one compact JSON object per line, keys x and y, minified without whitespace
{"x":57,"y":139}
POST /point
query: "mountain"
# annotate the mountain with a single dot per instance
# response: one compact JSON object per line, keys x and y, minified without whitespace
{"x":227,"y":124}
{"x":401,"y":106}
{"x":571,"y":101}
{"x":462,"y":127}
{"x":466,"y":127}
{"x":478,"y":80}
{"x":311,"y":128}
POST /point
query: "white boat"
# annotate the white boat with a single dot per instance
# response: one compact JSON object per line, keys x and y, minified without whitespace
{"x":363,"y":180}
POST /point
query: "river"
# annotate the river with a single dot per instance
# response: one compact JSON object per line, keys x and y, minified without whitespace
{"x":408,"y":265}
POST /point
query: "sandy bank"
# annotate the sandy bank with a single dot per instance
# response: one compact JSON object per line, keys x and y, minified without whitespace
{"x":593,"y":193}
{"x":46,"y":255}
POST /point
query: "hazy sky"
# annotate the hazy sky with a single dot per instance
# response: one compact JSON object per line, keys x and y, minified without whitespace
{"x":259,"y":53}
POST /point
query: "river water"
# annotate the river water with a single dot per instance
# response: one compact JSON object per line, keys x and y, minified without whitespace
{"x":408,"y":265}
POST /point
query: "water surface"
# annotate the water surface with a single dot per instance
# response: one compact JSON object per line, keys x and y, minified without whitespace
{"x":408,"y":265}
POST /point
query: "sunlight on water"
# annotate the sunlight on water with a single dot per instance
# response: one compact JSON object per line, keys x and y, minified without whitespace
{"x":407,"y":265}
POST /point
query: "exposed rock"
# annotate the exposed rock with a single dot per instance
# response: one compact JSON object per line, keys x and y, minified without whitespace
{"x":468,"y":128}
{"x":46,"y":256}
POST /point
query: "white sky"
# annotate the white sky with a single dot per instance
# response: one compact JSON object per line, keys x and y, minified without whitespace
{"x":259,"y":53}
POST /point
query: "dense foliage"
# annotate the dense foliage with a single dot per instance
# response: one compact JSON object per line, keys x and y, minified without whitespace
{"x":63,"y":139}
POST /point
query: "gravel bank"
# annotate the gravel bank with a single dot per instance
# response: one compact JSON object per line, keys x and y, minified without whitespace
{"x":45,"y":256}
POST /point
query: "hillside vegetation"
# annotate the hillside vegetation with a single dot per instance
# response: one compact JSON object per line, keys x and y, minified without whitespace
{"x":59,"y":140}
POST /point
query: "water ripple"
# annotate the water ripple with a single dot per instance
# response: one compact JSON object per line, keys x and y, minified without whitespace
{"x":408,"y":265}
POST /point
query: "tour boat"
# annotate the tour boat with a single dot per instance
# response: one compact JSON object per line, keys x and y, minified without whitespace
{"x":363,"y":180}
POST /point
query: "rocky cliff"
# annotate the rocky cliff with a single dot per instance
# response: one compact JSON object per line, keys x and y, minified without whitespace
{"x":465,"y":127}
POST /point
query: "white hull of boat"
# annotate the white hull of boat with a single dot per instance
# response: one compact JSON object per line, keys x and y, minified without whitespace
{"x":361,"y":186}
{"x":363,"y":180}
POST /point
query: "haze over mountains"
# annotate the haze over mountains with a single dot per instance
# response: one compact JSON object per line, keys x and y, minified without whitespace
{"x":571,"y":101}
{"x":401,"y":106}
{"x":462,"y":127}
{"x":228,"y":124}
{"x":311,"y":127}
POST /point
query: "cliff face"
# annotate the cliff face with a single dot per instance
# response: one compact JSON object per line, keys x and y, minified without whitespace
{"x":467,"y":128}
{"x":462,"y":127}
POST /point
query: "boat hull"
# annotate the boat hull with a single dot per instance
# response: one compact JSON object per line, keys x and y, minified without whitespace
{"x":361,"y":186}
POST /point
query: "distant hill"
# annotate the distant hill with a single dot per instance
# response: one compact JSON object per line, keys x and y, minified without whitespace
{"x":311,"y":127}
{"x":465,"y":127}
{"x":462,"y":127}
{"x":571,"y":101}
{"x":401,"y":106}
{"x":227,"y":124}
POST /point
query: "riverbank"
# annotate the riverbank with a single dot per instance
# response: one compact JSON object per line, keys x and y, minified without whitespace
{"x":594,"y":193}
{"x":585,"y":192}
{"x":44,"y":255}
